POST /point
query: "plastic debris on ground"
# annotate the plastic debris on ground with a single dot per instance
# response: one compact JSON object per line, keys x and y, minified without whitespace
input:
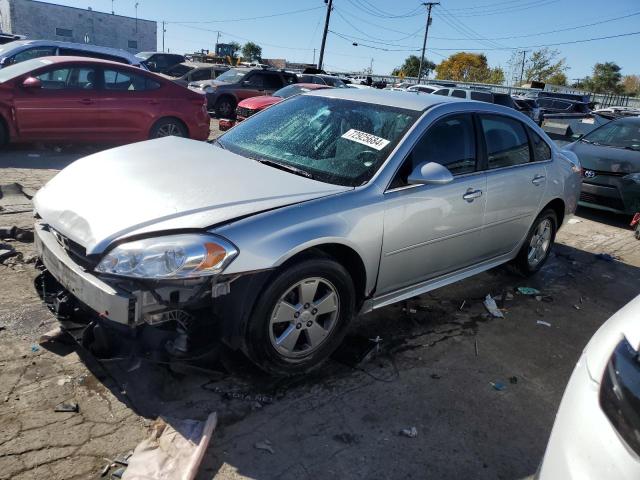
{"x":528,"y":291}
{"x":498,"y":386}
{"x":67,"y":407}
{"x":573,"y":221}
{"x":173,"y":451}
{"x":264,"y":445}
{"x":409,"y":432}
{"x":35,"y":348}
{"x":6,"y":251}
{"x":542,"y":322}
{"x":492,"y":308}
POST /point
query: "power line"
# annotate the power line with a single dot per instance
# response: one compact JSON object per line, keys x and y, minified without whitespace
{"x":370,"y":9}
{"x":371,"y":37}
{"x":534,"y":4}
{"x":340,"y":11}
{"x":293,"y":12}
{"x":547,"y":32}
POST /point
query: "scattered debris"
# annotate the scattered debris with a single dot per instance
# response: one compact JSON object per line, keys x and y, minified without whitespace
{"x":606,"y":257}
{"x":508,"y":296}
{"x":573,"y":221}
{"x":346,"y":438}
{"x":435,"y":376}
{"x":577,"y":307}
{"x":513,"y":380}
{"x":475,"y":344}
{"x":409,"y":432}
{"x":6,"y":251}
{"x":490,"y":305}
{"x":63,"y":380}
{"x":528,"y":291}
{"x":542,"y":322}
{"x":264,"y":445}
{"x":35,"y":348}
{"x":173,"y":450}
{"x":105,"y":470}
{"x":67,"y":407}
{"x":462,"y":306}
{"x":498,"y":386}
{"x":51,"y":336}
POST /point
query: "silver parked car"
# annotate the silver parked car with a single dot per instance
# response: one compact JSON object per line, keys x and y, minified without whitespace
{"x":323,"y":206}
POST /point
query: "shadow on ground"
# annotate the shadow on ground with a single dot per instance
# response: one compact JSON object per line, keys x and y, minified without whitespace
{"x":432,"y":370}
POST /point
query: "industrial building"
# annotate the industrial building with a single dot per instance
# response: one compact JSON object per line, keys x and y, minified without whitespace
{"x":41,"y":20}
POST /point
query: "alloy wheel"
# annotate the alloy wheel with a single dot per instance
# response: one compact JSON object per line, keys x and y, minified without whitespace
{"x":540,"y":243}
{"x":169,"y":130}
{"x":304,"y":317}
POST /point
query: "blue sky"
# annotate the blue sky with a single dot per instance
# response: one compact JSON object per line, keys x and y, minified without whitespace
{"x":457,"y":25}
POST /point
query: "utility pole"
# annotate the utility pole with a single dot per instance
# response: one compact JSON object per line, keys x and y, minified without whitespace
{"x":163,"y":31}
{"x":371,"y":66}
{"x":324,"y":35}
{"x":217,"y":40}
{"x":314,"y":56}
{"x":429,"y":6}
{"x":524,"y":56}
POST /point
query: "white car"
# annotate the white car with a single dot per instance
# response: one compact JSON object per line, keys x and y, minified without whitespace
{"x":424,"y":88}
{"x":596,"y":434}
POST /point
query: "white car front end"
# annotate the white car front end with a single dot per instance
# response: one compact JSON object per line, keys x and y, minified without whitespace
{"x":604,"y":390}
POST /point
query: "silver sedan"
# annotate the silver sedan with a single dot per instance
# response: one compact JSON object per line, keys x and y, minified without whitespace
{"x":322,"y":207}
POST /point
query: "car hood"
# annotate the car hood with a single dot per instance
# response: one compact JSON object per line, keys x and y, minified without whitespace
{"x":606,"y":159}
{"x":162,"y":185}
{"x":258,"y":103}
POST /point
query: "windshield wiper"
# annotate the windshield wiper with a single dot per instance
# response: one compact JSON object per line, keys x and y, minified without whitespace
{"x":219,"y":144}
{"x":284,"y":166}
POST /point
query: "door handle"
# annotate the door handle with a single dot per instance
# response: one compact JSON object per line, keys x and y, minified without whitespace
{"x":471,"y":195}
{"x":538,"y":179}
{"x":86,"y":101}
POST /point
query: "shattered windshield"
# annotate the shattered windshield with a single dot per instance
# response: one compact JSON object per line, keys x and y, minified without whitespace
{"x":332,"y":140}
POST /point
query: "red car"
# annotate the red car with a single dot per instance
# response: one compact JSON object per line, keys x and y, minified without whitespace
{"x":79,"y":99}
{"x":252,"y":105}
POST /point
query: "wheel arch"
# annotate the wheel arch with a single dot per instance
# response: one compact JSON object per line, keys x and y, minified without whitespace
{"x":558,"y":206}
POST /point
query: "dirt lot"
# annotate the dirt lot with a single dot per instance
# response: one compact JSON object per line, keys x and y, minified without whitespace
{"x":433,"y":371}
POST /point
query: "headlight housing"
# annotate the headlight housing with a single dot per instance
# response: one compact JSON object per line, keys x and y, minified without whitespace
{"x":209,"y":89}
{"x":634,"y":177}
{"x":169,"y":257}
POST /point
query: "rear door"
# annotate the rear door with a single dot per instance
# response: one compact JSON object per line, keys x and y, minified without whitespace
{"x":272,"y":82}
{"x":431,"y":230}
{"x":66,"y":107}
{"x":251,"y":85}
{"x":516,"y":182}
{"x":131,"y":104}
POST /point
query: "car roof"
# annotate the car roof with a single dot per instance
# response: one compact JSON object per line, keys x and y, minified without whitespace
{"x":631,"y":120}
{"x":408,"y":100}
{"x":310,"y":86}
{"x":68,"y":59}
{"x":23,"y":44}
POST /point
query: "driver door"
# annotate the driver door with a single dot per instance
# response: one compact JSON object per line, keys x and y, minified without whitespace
{"x":432,"y":230}
{"x":66,"y":107}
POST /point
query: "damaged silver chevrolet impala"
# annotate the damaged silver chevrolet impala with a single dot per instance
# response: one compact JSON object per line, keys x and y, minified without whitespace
{"x":324,"y":206}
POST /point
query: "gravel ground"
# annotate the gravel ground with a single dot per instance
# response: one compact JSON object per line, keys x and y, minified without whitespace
{"x":433,"y":371}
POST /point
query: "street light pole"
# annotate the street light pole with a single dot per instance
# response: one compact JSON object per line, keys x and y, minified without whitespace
{"x":324,"y":35}
{"x":429,"y":6}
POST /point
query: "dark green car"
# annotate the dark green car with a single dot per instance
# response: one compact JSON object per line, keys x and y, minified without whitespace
{"x":610,"y":158}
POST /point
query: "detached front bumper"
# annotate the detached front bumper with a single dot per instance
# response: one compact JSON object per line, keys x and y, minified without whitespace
{"x":108,"y":302}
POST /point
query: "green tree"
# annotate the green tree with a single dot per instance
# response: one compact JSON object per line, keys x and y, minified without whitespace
{"x":469,"y":67}
{"x":411,"y":66}
{"x":543,"y":65}
{"x":606,"y":78}
{"x":252,"y":51}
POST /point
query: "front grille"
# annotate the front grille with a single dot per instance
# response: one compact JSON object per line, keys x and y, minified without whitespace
{"x":76,"y":251}
{"x":244,"y":112}
{"x":611,"y":202}
{"x":601,"y":173}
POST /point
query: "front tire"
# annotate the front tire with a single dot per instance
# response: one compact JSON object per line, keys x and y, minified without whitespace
{"x":301,"y":317}
{"x":225,"y":107}
{"x":537,"y":247}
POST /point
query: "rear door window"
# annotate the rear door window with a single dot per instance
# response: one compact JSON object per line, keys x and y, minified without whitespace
{"x":506,"y":140}
{"x":443,"y":91}
{"x":482,"y":96}
{"x":201,"y":74}
{"x":255,"y":80}
{"x":69,"y":78}
{"x":273,"y":82}
{"x":459,"y":94}
{"x":127,"y":81}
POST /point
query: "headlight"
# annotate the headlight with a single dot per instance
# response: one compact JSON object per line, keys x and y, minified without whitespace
{"x":634,"y":177}
{"x":170,"y":257}
{"x":209,"y":89}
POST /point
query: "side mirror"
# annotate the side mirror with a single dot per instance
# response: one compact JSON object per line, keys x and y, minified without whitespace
{"x":32,"y":83}
{"x":430,"y":173}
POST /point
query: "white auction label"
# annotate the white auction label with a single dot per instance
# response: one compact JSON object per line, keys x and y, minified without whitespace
{"x":366,"y":139}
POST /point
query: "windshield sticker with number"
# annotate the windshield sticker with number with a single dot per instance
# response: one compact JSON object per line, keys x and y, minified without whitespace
{"x":366,"y":139}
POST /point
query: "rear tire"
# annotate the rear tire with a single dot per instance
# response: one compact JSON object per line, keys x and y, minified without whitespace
{"x":168,"y":127}
{"x":538,"y":244}
{"x":301,"y":317}
{"x":225,"y":107}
